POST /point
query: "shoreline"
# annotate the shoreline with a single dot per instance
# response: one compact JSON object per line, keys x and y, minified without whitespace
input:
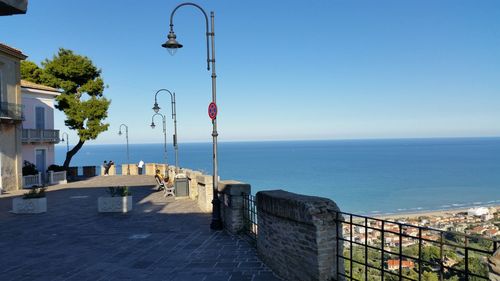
{"x":432,"y":213}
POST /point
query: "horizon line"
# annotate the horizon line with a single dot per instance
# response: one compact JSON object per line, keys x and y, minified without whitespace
{"x":295,"y":140}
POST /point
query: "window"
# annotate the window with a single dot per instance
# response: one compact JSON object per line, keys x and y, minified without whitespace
{"x":39,"y":118}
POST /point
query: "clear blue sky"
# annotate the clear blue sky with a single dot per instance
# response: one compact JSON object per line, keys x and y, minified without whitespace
{"x":286,"y":69}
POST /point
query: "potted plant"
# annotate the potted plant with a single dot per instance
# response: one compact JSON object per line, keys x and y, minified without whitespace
{"x":119,"y":201}
{"x":32,"y":202}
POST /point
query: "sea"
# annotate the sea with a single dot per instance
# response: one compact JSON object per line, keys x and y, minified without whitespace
{"x":369,"y":177}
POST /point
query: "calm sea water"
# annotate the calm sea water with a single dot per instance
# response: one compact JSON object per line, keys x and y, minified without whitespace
{"x":361,"y":176}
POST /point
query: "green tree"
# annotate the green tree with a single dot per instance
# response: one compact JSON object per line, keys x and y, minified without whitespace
{"x":31,"y":72}
{"x":82,"y":99}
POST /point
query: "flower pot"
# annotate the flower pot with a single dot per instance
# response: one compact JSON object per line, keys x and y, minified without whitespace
{"x":29,"y":206}
{"x":116,"y":204}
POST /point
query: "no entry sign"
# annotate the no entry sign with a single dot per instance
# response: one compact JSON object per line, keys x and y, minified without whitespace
{"x":212,"y":110}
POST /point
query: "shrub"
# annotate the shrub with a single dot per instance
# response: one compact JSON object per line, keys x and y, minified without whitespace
{"x":29,"y":169}
{"x":119,"y":191}
{"x":56,"y":168}
{"x":36,"y":192}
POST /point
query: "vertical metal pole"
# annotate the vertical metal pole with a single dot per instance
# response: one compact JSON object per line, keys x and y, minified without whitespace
{"x":216,"y":218}
{"x":164,"y":140}
{"x":128,"y":154}
{"x":174,"y":112}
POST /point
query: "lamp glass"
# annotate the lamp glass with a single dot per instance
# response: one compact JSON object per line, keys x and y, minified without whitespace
{"x":156,"y":108}
{"x":119,"y":133}
{"x":153,"y":125}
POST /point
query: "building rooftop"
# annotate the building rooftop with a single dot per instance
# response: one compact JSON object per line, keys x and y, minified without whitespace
{"x":12,"y":51}
{"x":31,"y":85}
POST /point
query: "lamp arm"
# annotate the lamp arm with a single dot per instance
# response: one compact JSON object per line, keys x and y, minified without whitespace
{"x":206,"y":24}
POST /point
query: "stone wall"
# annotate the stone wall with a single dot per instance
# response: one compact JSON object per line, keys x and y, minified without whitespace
{"x":205,"y":192}
{"x":494,"y":266}
{"x":193,"y":183}
{"x":231,"y":196}
{"x":297,"y":235}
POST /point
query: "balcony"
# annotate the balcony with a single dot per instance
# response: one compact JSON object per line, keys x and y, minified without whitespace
{"x":11,"y":112}
{"x":40,"y":136}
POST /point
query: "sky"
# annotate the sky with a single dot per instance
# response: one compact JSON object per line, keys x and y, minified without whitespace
{"x":286,"y":70}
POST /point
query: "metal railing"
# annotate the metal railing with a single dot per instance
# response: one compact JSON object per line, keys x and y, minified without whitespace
{"x":377,"y":249}
{"x":40,"y":135}
{"x":11,"y":111}
{"x":250,"y":216}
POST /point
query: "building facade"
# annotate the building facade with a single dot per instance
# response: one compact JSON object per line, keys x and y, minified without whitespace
{"x":10,"y":118}
{"x":38,"y":133}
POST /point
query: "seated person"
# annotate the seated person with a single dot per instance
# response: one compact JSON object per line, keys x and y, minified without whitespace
{"x":162,"y":182}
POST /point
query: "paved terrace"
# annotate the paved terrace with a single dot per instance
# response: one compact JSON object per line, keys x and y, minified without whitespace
{"x":161,"y":239}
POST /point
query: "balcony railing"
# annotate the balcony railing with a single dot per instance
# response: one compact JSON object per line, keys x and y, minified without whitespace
{"x":11,"y":111}
{"x":39,"y":136}
{"x":376,"y":249}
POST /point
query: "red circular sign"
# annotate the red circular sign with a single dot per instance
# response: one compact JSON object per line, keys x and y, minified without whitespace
{"x":212,"y":110}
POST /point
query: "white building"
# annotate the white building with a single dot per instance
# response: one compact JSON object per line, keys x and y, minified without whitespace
{"x":39,"y":135}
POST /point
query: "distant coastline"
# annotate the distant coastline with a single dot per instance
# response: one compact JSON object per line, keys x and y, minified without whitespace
{"x":432,"y":213}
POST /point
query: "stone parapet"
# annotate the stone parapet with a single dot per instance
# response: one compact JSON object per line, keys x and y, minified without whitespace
{"x":162,"y":168}
{"x":134,"y":170}
{"x":193,"y":183}
{"x":494,"y":266}
{"x":150,"y":169}
{"x":231,"y":196}
{"x":297,"y":235}
{"x":205,"y":192}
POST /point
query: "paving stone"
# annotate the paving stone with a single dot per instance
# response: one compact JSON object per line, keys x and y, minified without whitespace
{"x":161,"y":239}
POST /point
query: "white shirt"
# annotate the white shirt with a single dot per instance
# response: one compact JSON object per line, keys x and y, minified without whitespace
{"x":141,"y":163}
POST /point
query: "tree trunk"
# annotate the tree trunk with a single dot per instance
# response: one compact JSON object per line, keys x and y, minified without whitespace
{"x":72,"y":153}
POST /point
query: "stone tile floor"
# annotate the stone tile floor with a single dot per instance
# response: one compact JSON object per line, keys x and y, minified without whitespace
{"x":161,"y":239}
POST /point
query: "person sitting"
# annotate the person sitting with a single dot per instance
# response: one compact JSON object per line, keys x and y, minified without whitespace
{"x":162,"y":182}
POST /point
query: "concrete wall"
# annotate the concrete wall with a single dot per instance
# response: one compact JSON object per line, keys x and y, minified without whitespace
{"x":297,"y":235}
{"x":31,"y":99}
{"x":205,"y":192}
{"x":10,"y":157}
{"x":10,"y":130}
{"x":193,"y":183}
{"x":28,"y":153}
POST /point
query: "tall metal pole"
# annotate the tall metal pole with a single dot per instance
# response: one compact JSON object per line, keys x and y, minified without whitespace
{"x":173,"y":45}
{"x":164,"y":134}
{"x":128,"y":153}
{"x":156,"y":109}
{"x":216,"y":216}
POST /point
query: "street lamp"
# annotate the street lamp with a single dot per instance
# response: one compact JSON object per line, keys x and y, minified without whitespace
{"x":164,"y":133}
{"x":172,"y":45}
{"x":156,"y":109}
{"x":126,"y":137}
{"x":67,"y":140}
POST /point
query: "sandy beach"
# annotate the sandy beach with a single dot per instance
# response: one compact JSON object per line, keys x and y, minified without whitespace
{"x":437,"y":213}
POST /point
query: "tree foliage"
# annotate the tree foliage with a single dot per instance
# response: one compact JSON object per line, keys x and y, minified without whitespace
{"x":82,"y":99}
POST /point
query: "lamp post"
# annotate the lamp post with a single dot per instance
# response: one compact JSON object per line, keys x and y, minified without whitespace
{"x":156,"y":109}
{"x":67,"y":140}
{"x":172,"y":45}
{"x":164,"y":134}
{"x":126,"y":137}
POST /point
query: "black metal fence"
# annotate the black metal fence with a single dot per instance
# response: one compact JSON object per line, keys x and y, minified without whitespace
{"x":250,"y":215}
{"x":376,"y":249}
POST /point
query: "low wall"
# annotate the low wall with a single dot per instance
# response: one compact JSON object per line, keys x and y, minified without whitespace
{"x":297,"y":235}
{"x":205,"y":192}
{"x":193,"y":183}
{"x":231,"y":196}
